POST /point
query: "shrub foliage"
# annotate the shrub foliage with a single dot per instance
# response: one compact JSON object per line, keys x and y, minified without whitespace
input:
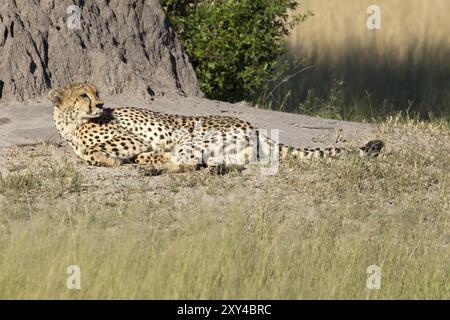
{"x":234,"y":46}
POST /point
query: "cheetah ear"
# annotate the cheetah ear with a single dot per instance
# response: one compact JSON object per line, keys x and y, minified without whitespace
{"x":54,"y":96}
{"x":93,"y":87}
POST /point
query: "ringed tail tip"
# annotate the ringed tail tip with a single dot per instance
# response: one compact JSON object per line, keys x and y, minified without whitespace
{"x":373,"y":148}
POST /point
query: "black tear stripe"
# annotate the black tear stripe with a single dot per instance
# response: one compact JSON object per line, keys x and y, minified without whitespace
{"x":257,"y":145}
{"x":2,"y":84}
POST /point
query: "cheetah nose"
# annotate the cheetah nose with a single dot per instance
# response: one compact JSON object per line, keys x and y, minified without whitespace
{"x":100,"y":105}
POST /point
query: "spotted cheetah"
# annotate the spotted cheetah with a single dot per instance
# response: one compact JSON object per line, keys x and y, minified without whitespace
{"x":165,"y":143}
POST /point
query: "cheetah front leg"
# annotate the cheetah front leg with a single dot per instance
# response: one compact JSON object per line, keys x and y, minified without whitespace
{"x":96,"y":156}
{"x":113,"y":153}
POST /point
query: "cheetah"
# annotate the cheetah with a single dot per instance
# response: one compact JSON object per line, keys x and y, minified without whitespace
{"x":162,"y":142}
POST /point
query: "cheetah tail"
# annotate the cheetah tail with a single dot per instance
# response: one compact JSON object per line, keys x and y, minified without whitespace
{"x":372,"y":148}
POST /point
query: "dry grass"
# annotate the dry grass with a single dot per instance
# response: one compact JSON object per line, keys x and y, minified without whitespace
{"x":311,"y":231}
{"x":408,"y":28}
{"x":403,"y":65}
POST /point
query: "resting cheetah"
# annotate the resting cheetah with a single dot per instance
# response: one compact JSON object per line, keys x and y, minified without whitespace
{"x":162,"y":142}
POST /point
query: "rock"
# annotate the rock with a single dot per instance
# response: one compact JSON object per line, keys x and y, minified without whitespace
{"x":122,"y":47}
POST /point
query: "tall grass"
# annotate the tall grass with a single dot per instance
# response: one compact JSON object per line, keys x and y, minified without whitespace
{"x":405,"y":65}
{"x":236,"y":252}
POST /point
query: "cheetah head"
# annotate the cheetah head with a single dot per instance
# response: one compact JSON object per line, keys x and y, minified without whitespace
{"x":79,"y":101}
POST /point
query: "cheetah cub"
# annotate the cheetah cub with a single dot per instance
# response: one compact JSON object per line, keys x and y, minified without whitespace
{"x":166,"y":143}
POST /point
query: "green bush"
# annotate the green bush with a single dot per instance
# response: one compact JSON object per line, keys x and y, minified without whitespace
{"x":234,"y":46}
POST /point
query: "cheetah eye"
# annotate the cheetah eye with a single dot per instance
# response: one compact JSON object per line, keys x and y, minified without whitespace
{"x":84,"y":96}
